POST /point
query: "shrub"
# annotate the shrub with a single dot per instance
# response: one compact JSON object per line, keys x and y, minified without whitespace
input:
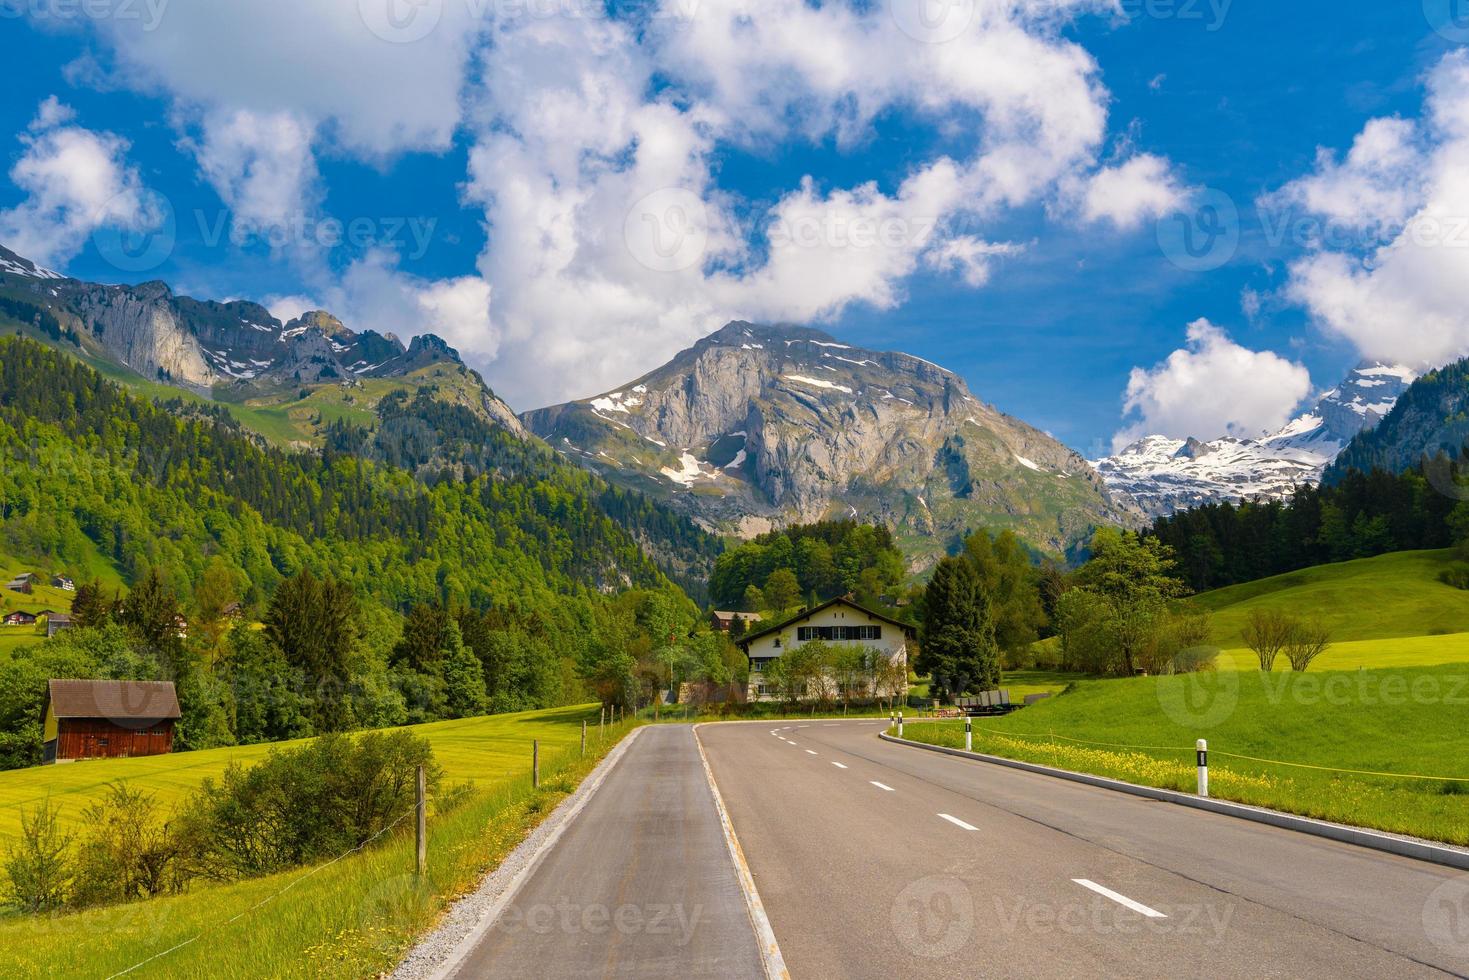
{"x":37,"y":863}
{"x":1456,"y":575}
{"x":1191,"y":660}
{"x":127,"y":852}
{"x":305,"y":804}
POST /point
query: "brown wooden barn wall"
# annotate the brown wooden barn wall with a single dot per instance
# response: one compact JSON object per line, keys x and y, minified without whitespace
{"x":88,"y":738}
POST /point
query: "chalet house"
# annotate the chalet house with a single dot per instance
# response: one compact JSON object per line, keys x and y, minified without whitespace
{"x":234,"y":611}
{"x":838,"y":621}
{"x":108,"y":719}
{"x":56,"y":622}
{"x":24,"y":583}
{"x":63,"y":583}
{"x":19,"y":618}
{"x":722,"y":621}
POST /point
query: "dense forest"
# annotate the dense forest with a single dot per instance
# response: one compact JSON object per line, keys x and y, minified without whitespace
{"x":777,"y":571}
{"x":1429,"y":421}
{"x":1358,"y":516}
{"x":438,"y":439}
{"x":385,"y":598}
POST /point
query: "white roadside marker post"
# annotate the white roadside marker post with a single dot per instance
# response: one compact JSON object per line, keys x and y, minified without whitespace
{"x":1203,"y":751}
{"x":968,"y":734}
{"x":900,"y":724}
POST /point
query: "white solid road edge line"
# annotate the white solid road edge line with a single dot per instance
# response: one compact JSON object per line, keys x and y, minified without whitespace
{"x":957,"y":822}
{"x":1137,"y":907}
{"x":492,"y":914}
{"x":1452,"y":857}
{"x":775,"y":964}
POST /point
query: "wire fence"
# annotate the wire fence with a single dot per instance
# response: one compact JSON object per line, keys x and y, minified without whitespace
{"x":597,"y":739}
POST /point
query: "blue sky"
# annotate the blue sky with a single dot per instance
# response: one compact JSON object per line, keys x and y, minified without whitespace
{"x":463,"y":157}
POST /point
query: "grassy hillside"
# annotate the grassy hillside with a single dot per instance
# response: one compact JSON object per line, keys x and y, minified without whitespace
{"x":1406,"y":720}
{"x":1396,"y":595}
{"x":484,"y":748}
{"x":352,"y":918}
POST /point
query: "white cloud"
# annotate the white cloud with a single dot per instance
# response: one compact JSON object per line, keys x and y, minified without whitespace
{"x":261,"y":166}
{"x":1144,"y":188}
{"x":76,"y":181}
{"x":1210,"y":388}
{"x":1406,"y":185}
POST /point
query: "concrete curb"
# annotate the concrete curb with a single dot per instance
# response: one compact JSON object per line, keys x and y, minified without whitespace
{"x":1376,"y":840}
{"x":770,"y":955}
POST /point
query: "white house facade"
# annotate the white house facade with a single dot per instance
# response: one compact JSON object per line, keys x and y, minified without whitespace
{"x":839,"y":623}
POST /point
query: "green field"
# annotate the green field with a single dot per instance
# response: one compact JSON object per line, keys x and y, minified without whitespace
{"x":1400,"y":721}
{"x":482,"y":749}
{"x":352,"y":918}
{"x":1387,"y":597}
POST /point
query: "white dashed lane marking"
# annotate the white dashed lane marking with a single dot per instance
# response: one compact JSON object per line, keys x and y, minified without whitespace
{"x":880,"y":786}
{"x":1122,"y":900}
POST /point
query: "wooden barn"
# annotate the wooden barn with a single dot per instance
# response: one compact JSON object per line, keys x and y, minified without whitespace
{"x":107,"y":719}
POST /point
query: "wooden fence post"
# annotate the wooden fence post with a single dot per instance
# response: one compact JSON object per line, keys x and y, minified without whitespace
{"x":422,"y":835}
{"x":535,"y":763}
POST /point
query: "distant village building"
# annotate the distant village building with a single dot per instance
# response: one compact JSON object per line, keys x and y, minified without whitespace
{"x":723,"y":621}
{"x":234,"y":611}
{"x":63,"y":583}
{"x":20,"y":618}
{"x":838,"y":621}
{"x":24,"y":583}
{"x":108,"y":719}
{"x":56,"y":622}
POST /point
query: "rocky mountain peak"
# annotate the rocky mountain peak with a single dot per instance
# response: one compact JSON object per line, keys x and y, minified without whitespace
{"x":758,"y":425}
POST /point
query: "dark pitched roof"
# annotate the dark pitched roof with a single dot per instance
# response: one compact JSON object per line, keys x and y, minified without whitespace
{"x":745,"y":641}
{"x":115,"y":700}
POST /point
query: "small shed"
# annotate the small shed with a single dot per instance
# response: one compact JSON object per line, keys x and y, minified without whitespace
{"x":24,"y":583}
{"x":108,"y":719}
{"x":56,"y":622}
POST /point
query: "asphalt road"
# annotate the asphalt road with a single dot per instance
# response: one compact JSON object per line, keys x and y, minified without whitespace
{"x":879,"y":860}
{"x":641,"y":884}
{"x":882,"y":861}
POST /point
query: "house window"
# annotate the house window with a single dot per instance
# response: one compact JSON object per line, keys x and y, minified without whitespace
{"x":806,"y":633}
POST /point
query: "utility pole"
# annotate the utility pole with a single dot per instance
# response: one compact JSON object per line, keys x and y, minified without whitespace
{"x":584,"y":737}
{"x":535,"y":763}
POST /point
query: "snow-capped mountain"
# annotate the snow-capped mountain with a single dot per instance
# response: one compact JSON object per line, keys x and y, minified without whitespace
{"x":1165,"y":475}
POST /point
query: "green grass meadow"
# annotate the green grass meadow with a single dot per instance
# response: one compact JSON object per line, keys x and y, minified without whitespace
{"x":351,"y":918}
{"x":1409,"y":720}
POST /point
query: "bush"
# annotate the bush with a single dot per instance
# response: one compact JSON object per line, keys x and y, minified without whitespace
{"x":37,"y":863}
{"x":305,"y":804}
{"x":1456,"y":575}
{"x":127,"y":851}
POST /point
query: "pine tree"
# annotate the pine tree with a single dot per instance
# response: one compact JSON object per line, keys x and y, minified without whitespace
{"x":957,"y":647}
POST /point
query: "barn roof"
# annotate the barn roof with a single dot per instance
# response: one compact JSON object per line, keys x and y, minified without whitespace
{"x":116,"y":700}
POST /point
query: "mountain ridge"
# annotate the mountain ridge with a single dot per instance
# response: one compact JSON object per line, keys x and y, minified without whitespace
{"x":1166,"y":475}
{"x":758,"y":426}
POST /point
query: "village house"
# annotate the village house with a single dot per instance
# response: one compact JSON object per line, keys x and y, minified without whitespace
{"x":724,"y":621}
{"x":838,"y":621}
{"x":20,"y":618}
{"x":63,"y":583}
{"x":24,"y":583}
{"x":56,"y":622}
{"x":108,"y":719}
